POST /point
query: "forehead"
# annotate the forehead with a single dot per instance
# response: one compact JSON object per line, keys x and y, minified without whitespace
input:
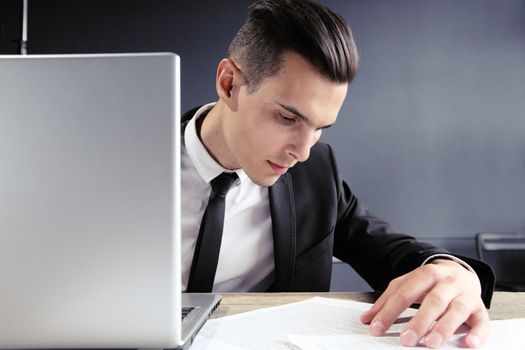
{"x":299,"y":85}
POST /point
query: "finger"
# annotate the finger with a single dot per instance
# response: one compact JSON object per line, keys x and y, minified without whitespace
{"x":457,"y":313}
{"x":433,"y":306}
{"x":480,"y":329}
{"x":412,"y":287}
{"x":369,"y":315}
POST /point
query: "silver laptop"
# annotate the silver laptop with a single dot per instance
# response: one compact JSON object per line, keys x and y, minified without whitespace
{"x":90,"y":204}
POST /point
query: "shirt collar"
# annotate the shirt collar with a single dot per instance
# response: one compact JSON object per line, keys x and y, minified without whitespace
{"x":206,"y":166}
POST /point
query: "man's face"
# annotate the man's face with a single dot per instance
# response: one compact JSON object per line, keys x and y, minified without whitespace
{"x":275,"y":126}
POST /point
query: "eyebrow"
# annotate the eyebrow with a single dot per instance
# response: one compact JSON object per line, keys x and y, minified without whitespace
{"x":293,"y":110}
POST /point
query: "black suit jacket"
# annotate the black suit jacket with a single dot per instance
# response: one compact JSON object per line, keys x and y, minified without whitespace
{"x":316,"y":216}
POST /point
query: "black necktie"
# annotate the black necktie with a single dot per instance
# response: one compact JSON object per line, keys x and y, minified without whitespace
{"x":206,"y":255}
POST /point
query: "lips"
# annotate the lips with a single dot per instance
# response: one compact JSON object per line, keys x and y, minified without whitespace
{"x":278,"y":169}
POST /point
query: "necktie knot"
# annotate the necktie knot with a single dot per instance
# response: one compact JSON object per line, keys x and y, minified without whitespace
{"x":222,"y":183}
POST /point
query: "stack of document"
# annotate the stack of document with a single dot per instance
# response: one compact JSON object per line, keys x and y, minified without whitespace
{"x":322,"y":323}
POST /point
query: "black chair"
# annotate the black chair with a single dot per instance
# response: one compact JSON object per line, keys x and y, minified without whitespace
{"x":505,"y":253}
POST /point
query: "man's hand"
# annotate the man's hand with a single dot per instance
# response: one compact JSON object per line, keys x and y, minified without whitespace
{"x":449,"y":295}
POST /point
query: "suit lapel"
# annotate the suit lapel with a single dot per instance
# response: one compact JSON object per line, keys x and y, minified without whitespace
{"x":282,"y":209}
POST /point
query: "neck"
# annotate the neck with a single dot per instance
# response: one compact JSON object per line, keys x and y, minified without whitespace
{"x":211,"y":132}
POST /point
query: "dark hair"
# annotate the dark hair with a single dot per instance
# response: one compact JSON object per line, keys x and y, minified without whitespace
{"x":318,"y":34}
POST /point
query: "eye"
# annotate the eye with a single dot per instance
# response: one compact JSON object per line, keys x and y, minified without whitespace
{"x":287,"y":120}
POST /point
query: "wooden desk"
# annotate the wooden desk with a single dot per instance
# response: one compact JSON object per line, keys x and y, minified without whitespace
{"x":504,"y":305}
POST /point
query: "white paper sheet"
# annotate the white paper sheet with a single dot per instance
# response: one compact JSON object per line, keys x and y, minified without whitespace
{"x":505,"y":335}
{"x":269,"y":328}
{"x":322,"y":323}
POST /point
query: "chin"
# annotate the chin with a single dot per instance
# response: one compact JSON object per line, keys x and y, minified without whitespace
{"x":265,"y":181}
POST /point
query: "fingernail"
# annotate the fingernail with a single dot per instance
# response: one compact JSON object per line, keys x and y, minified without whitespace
{"x":434,"y":340}
{"x":377,"y":328}
{"x":474,"y":341}
{"x":408,"y":337}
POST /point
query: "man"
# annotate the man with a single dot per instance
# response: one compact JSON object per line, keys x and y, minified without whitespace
{"x":289,"y":212}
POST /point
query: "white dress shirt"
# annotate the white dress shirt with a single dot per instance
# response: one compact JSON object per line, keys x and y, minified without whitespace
{"x":246,"y":260}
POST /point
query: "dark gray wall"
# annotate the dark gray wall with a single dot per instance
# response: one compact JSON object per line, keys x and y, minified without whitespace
{"x":431,"y":135}
{"x":433,"y":131}
{"x":199,"y":31}
{"x":10,"y":26}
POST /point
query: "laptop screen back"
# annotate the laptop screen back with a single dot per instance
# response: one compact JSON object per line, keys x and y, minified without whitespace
{"x":89,"y":154}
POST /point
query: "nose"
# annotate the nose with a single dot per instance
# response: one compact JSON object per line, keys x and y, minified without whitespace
{"x":300,"y":148}
{"x":300,"y":155}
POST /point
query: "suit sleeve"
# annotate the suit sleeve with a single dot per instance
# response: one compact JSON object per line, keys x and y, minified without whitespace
{"x":377,"y":251}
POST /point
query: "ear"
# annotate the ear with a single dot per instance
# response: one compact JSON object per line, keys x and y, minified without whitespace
{"x":228,"y":82}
